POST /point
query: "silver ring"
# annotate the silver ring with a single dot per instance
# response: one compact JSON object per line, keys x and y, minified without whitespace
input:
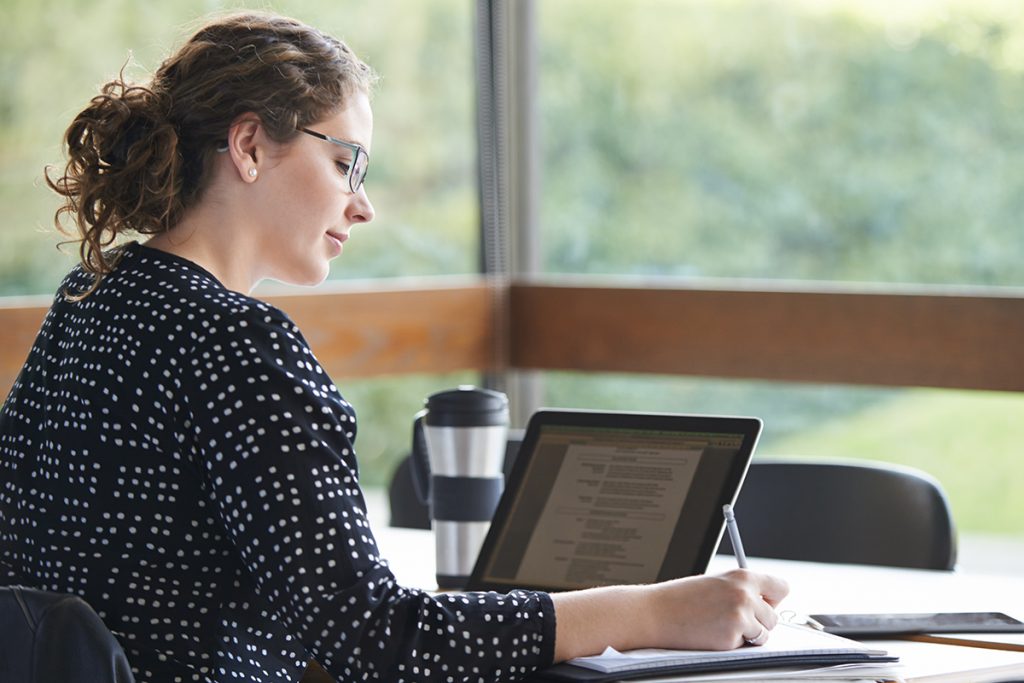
{"x":760,"y":638}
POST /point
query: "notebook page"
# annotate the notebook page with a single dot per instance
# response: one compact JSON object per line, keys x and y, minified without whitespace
{"x":786,"y":639}
{"x":845,"y":673}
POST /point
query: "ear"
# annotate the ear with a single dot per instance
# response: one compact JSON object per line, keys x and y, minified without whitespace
{"x":246,"y":146}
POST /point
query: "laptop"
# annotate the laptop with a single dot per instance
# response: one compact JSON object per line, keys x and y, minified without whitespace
{"x":604,"y":498}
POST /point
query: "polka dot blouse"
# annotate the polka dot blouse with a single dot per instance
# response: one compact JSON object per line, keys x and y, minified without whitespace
{"x":173,"y":452}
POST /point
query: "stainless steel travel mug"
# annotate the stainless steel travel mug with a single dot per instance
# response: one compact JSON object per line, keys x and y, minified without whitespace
{"x":459,"y":444}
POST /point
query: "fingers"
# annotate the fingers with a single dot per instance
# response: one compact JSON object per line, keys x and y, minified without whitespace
{"x":760,"y":639}
{"x":765,"y":614}
{"x":712,"y":612}
{"x":764,"y":593}
{"x":772,"y":588}
{"x":765,"y":619}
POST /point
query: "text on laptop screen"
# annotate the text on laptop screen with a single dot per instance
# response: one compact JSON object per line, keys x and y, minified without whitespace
{"x":599,"y":506}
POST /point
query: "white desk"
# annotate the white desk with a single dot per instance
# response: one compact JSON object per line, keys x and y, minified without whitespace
{"x":821,"y":588}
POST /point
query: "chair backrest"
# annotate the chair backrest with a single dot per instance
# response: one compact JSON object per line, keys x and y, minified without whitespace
{"x":407,"y":510}
{"x":56,"y":637}
{"x":845,"y":511}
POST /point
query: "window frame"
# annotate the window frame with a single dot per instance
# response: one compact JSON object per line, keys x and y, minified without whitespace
{"x":511,"y":319}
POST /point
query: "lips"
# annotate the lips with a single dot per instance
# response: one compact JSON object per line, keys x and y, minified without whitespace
{"x":336,"y":239}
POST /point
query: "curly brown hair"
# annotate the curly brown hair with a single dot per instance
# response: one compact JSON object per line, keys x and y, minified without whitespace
{"x":138,"y":155}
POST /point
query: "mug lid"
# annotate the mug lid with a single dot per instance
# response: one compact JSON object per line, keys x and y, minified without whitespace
{"x":466,"y":406}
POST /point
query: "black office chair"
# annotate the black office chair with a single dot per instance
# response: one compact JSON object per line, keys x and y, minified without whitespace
{"x":844,"y":511}
{"x":54,"y":637}
{"x":407,"y":509}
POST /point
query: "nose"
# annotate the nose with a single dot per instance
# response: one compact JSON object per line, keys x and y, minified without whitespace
{"x":360,"y":210}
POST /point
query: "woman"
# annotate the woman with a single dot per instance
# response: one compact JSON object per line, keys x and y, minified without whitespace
{"x":173,"y":452}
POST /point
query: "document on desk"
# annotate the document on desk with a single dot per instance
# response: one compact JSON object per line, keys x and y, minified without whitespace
{"x":789,"y":645}
{"x":933,"y":663}
{"x":842,"y":673}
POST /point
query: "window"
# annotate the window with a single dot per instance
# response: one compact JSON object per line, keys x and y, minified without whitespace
{"x":423,"y":177}
{"x":859,"y":141}
{"x":422,"y":181}
{"x":865,"y":142}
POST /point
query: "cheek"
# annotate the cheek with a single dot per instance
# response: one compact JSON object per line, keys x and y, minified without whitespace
{"x":322,"y":193}
{"x":307,"y":195}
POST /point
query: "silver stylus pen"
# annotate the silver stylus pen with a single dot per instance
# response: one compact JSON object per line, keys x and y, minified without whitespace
{"x":734,"y":536}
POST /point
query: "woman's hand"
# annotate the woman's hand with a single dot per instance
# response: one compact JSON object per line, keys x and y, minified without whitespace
{"x":715,"y":612}
{"x":696,"y":613}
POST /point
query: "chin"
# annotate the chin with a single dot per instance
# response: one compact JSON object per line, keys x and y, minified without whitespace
{"x":317,"y":279}
{"x":307,"y":277}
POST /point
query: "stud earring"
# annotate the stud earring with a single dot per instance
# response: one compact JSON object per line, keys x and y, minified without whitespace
{"x":253,"y":172}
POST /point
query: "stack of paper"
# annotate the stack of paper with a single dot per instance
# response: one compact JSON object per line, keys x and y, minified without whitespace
{"x":843,"y":673}
{"x":797,"y":648}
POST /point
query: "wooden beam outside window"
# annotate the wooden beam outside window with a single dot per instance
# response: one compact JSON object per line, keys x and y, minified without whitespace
{"x":924,"y":338}
{"x":398,"y":331}
{"x":933,"y":338}
{"x":371,"y":332}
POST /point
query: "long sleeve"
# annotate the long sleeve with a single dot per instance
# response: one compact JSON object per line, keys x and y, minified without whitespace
{"x":173,"y":453}
{"x":275,"y":440}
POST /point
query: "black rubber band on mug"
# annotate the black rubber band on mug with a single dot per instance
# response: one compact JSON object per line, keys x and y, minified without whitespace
{"x":464,"y":499}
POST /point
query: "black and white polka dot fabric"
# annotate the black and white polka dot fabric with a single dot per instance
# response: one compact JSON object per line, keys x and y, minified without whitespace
{"x":174,"y":453}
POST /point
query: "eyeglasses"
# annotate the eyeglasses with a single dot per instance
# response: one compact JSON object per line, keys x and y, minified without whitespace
{"x":356,"y":170}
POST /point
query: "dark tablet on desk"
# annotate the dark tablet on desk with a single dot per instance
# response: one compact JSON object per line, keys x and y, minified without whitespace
{"x":604,"y":498}
{"x":883,"y":625}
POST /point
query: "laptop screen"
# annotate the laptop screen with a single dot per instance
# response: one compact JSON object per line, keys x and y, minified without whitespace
{"x":611,"y":498}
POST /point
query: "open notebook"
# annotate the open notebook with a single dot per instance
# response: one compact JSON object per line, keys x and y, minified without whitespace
{"x":789,"y":645}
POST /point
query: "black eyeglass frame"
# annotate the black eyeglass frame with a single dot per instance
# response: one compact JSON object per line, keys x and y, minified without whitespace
{"x":356,"y":172}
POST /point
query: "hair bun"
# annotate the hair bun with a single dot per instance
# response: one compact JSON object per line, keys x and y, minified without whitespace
{"x":129,"y":121}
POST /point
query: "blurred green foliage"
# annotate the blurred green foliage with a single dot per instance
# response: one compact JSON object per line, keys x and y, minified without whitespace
{"x":54,"y":54}
{"x":858,"y":140}
{"x":824,"y":140}
{"x":769,"y":138}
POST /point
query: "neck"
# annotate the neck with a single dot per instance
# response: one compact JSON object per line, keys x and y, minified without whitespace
{"x":212,"y":239}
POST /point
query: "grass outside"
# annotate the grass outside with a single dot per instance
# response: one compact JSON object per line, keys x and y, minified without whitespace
{"x":970,"y":441}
